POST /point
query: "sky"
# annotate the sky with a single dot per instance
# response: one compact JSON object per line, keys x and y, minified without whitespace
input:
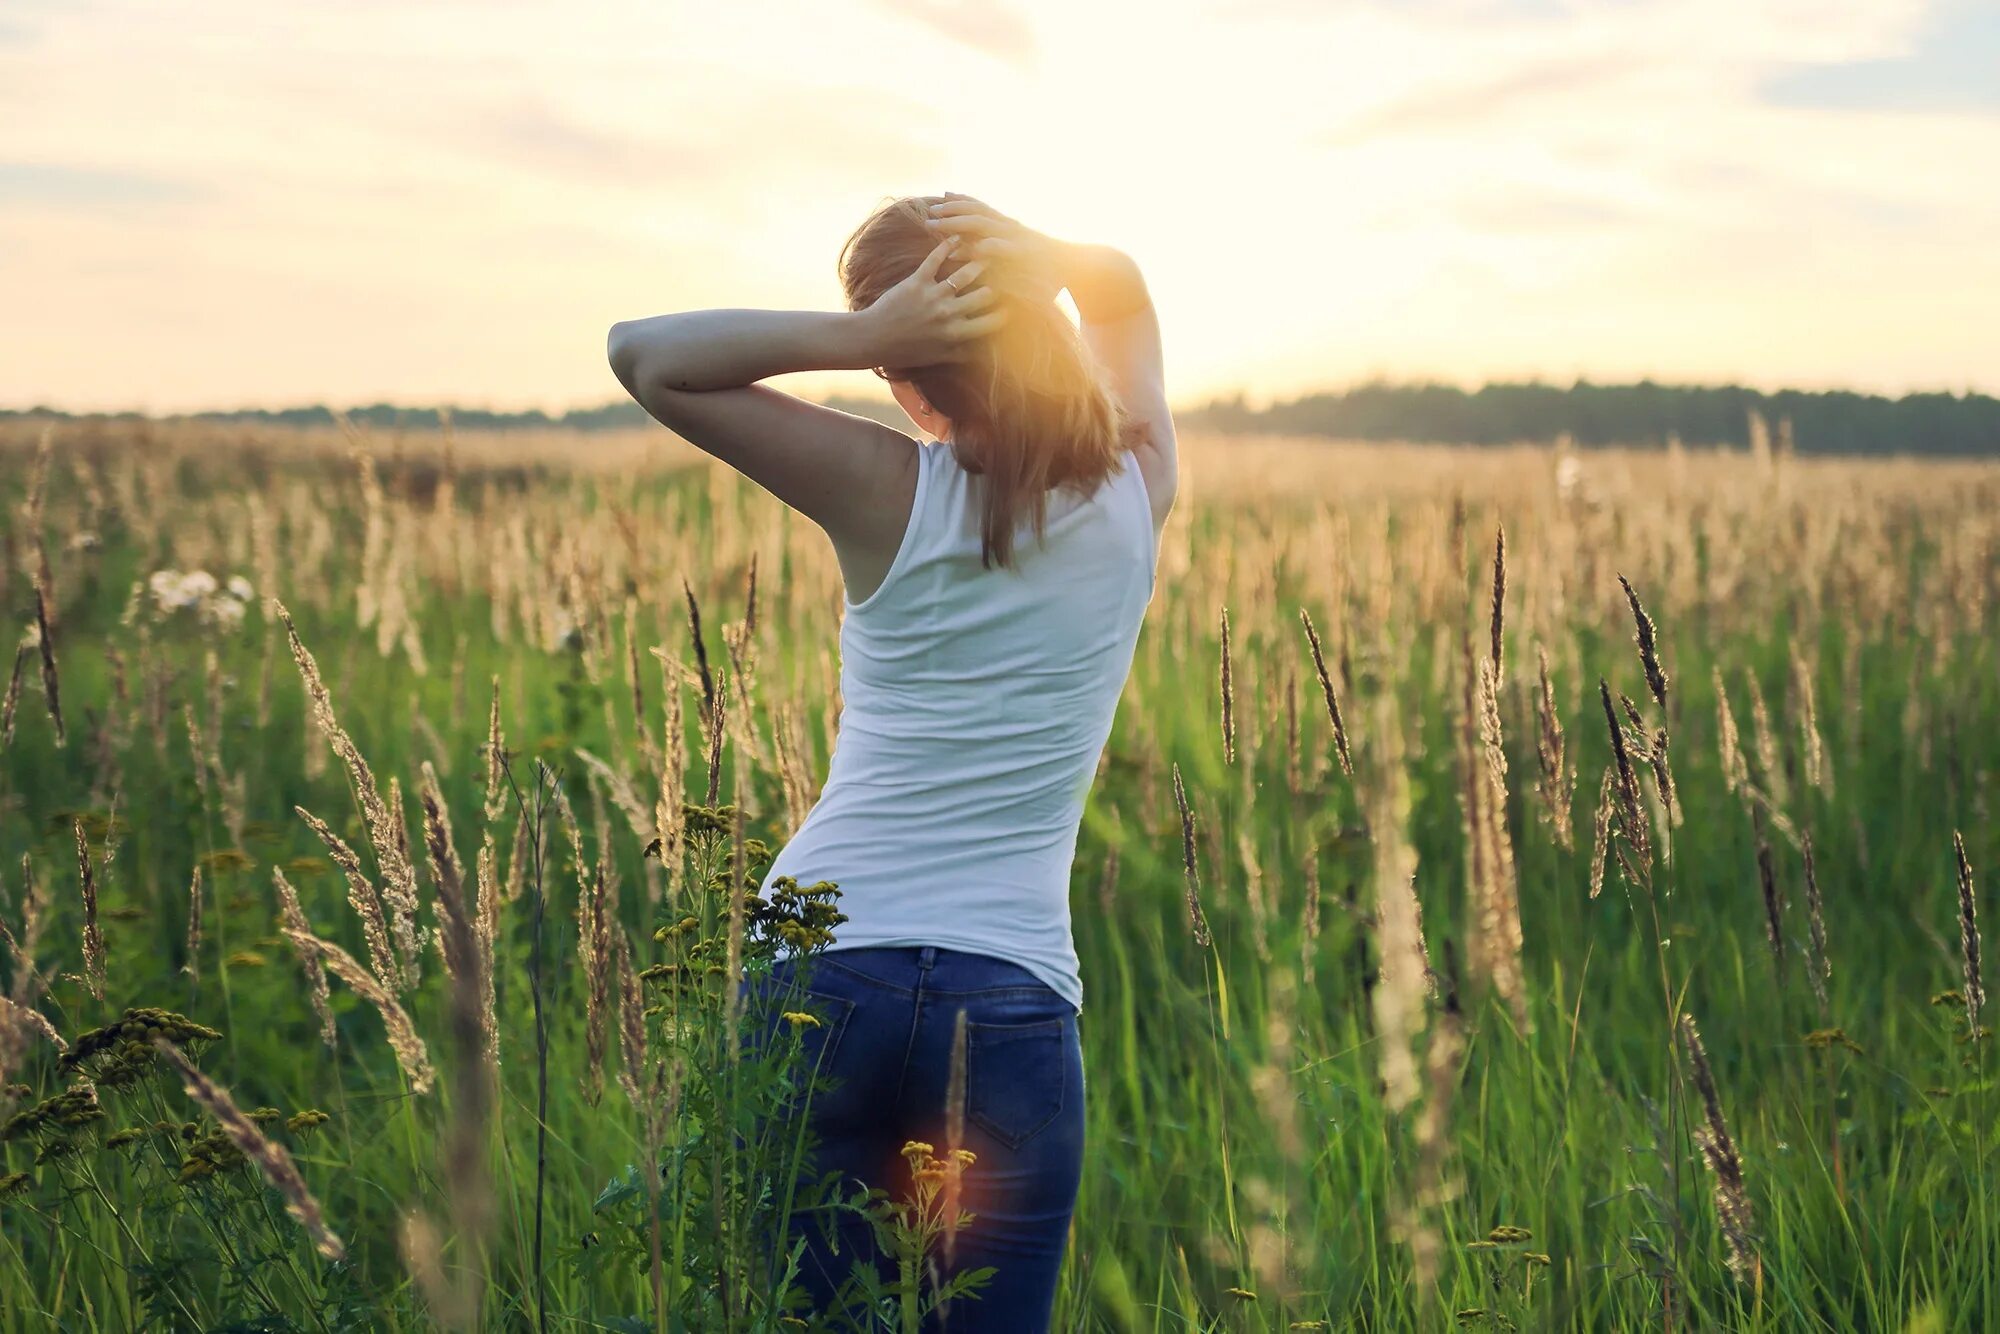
{"x":224,"y":203}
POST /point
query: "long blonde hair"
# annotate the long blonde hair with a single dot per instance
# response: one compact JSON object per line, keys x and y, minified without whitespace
{"x":1029,"y":410}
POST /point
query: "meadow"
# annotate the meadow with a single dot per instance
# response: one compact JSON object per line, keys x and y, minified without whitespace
{"x":1525,"y":888}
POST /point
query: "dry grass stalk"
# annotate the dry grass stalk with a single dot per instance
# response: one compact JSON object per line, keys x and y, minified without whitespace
{"x":593,"y":947}
{"x":292,"y":920}
{"x":361,"y":896}
{"x":1774,"y":903}
{"x":1968,"y":936}
{"x":1228,"y":697}
{"x":1309,"y":928}
{"x":669,"y":814}
{"x":1813,"y":748}
{"x":1431,"y":1186}
{"x":1649,"y":648}
{"x":1735,"y":769}
{"x":1398,"y":998}
{"x":716,"y":718}
{"x":386,"y":835}
{"x":270,"y":1157}
{"x":1819,"y":965}
{"x":954,"y":1133}
{"x":487,"y":918}
{"x":732,"y":1001}
{"x":1326,"y":688}
{"x":422,"y":1249}
{"x":1718,"y":1148}
{"x":638,"y":1075}
{"x":1499,"y":599}
{"x":51,"y":680}
{"x":93,"y":936}
{"x":20,"y":1022}
{"x":496,"y":760}
{"x":1494,"y":908}
{"x":708,"y":696}
{"x":1294,"y":752}
{"x":466,"y":1180}
{"x":1191,"y":874}
{"x":13,"y":699}
{"x":1556,"y":779}
{"x":1107,"y":883}
{"x":411,"y":1054}
{"x":193,"y":966}
{"x":1768,"y":767}
{"x":1631,"y":804}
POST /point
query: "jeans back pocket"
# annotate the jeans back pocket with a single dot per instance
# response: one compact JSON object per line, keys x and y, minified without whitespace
{"x":1015,"y":1080}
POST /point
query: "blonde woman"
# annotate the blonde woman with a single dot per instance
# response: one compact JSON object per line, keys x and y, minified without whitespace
{"x":997,"y":572}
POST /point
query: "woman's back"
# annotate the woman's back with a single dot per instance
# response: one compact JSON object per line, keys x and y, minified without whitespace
{"x":975,"y":705}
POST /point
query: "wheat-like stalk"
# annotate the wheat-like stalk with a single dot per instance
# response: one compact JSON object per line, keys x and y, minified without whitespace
{"x":1718,"y":1148}
{"x":294,"y":923}
{"x":51,"y":679}
{"x":270,"y":1157}
{"x":1191,"y":874}
{"x":1649,"y":648}
{"x":1735,"y":769}
{"x":1968,"y":935}
{"x":361,"y":896}
{"x":1326,"y":689}
{"x":1819,"y":965}
{"x":1228,"y":697}
{"x":385,"y":834}
{"x":93,"y":935}
{"x":193,"y":965}
{"x":411,"y":1054}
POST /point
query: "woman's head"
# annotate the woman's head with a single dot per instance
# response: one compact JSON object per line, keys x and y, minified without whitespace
{"x":1027,"y":411}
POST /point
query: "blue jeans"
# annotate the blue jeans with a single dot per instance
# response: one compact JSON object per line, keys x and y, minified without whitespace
{"x":889,"y":1014}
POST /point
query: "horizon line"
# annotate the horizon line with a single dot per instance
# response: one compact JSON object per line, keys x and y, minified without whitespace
{"x":1190,"y":404}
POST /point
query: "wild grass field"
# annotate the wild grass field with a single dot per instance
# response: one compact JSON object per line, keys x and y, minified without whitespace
{"x":1511,"y":948}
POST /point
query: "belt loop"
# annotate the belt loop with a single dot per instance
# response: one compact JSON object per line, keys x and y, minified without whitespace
{"x":926,"y":957}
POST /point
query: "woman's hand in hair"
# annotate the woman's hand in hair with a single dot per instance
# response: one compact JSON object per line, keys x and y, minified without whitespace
{"x":930,"y":318}
{"x":1025,"y":261}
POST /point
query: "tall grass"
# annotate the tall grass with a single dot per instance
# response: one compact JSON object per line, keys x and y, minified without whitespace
{"x":1373,"y":1041}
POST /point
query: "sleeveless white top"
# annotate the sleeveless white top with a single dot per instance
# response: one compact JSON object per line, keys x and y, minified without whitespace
{"x":976,"y":703}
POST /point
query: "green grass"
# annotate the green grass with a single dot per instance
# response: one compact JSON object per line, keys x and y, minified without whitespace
{"x":1575,"y":1128}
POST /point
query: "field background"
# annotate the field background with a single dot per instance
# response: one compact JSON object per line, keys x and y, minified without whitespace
{"x":1252,"y":1161}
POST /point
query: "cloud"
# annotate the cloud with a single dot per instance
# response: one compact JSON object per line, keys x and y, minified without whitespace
{"x":1541,"y":83}
{"x":1953,"y":66}
{"x":54,"y":185}
{"x":983,"y":25}
{"x":798,"y":133}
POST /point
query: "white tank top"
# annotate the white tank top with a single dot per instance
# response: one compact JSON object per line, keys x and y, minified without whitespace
{"x":975,"y":705}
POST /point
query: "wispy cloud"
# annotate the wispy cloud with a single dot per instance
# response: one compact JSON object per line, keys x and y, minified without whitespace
{"x":988,"y":26}
{"x":43,"y":184}
{"x":1953,"y":65}
{"x":1541,"y":83}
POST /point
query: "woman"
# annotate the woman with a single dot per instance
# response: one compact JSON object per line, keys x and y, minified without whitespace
{"x":996,"y":576}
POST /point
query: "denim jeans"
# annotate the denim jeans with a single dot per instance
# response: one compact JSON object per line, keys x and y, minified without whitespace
{"x":889,"y":1014}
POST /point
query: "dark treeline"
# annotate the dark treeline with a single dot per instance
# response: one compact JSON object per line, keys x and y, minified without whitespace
{"x":1834,"y":422}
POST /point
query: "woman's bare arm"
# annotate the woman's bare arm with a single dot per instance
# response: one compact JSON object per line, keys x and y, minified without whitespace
{"x":696,"y":372}
{"x":1123,"y":333}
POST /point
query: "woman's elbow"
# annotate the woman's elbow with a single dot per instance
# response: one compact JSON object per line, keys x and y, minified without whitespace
{"x":621,"y":350}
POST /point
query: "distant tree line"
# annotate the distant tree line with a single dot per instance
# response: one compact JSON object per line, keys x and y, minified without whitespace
{"x":1833,"y":422}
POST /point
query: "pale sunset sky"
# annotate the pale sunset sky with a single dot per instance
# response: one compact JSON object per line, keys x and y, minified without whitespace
{"x":222,"y":203}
